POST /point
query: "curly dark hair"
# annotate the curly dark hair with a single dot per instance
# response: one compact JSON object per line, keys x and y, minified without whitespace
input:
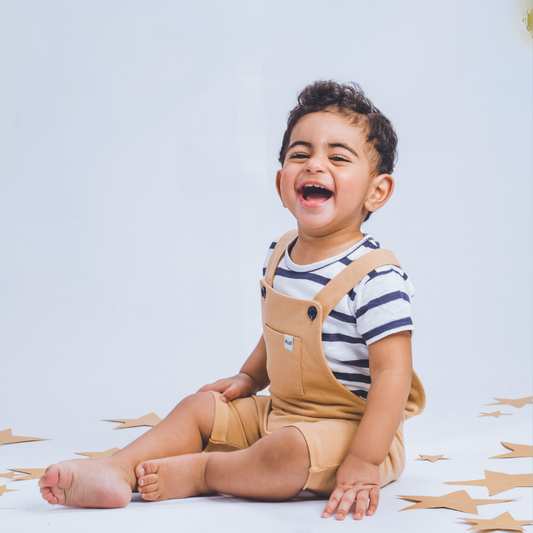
{"x":350,"y":101}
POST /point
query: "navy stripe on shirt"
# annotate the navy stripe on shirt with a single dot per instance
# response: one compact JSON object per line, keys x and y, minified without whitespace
{"x":343,"y":317}
{"x":339,"y":337}
{"x":386,"y":298}
{"x":386,"y":327}
{"x":353,"y":378}
{"x":302,"y":275}
{"x":361,"y":363}
{"x":375,"y":274}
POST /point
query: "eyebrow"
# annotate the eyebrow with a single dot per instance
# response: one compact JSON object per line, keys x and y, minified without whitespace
{"x":329,"y":145}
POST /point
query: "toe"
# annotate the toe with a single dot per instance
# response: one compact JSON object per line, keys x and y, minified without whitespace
{"x":150,"y":496}
{"x":139,"y":471}
{"x":146,"y":467}
{"x":49,"y":497}
{"x":151,"y":487}
{"x":148,"y":480}
{"x":50,"y":478}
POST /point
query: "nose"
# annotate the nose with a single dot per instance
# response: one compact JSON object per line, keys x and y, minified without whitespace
{"x":315,"y":164}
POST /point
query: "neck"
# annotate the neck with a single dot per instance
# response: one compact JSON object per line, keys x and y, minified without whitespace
{"x":311,"y":248}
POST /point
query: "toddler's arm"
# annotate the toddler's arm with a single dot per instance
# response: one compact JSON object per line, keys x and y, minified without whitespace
{"x":358,"y":476}
{"x":251,"y":379}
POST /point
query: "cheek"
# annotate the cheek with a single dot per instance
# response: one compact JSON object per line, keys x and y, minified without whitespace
{"x":283,"y":189}
{"x":286,"y":183}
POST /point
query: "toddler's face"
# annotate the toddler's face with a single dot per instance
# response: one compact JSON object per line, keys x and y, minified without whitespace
{"x":326,"y":176}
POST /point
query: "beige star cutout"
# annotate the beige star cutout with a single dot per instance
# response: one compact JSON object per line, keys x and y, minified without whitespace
{"x":99,"y":455}
{"x":504,"y":522}
{"x":147,"y":420}
{"x":433,"y":458}
{"x":498,"y":482}
{"x":3,"y":489}
{"x":519,"y":402}
{"x":456,"y":501}
{"x":519,"y":450}
{"x":496,"y":414}
{"x":28,"y":473}
{"x":6,"y":437}
{"x":8,"y":475}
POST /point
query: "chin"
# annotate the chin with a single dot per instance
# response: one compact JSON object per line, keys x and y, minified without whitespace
{"x":315,"y":229}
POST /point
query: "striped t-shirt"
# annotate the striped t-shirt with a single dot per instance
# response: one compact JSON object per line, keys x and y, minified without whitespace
{"x":379,"y":305}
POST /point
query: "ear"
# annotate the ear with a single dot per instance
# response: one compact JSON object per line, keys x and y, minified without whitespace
{"x":380,"y":192}
{"x":278,"y":186}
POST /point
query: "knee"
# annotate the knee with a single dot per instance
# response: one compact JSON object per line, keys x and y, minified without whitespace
{"x":286,"y":451}
{"x":200,"y":406}
{"x":198,"y":401}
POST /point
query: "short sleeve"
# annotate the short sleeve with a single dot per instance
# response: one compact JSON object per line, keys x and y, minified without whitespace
{"x":382,"y":303}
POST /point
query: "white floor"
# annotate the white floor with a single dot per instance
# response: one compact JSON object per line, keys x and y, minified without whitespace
{"x":459,"y":433}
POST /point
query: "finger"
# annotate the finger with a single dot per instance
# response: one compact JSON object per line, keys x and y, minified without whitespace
{"x":217,"y":386}
{"x":374,"y":501}
{"x":333,"y":502}
{"x":230,"y":394}
{"x":345,"y":504}
{"x":361,"y":504}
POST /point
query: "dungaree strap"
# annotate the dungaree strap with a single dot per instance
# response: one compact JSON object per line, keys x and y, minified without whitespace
{"x":277,"y":254}
{"x":346,"y":280}
{"x":343,"y":282}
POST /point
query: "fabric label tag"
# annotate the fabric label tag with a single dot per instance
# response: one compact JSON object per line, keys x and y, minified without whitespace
{"x":289,"y":342}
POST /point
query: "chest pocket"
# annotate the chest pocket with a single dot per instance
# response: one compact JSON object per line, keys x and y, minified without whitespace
{"x":284,"y":365}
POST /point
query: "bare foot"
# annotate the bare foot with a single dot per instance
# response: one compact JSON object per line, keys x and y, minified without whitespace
{"x":182,"y":476}
{"x":101,"y":483}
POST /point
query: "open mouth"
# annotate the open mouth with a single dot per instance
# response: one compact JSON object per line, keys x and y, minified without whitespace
{"x":315,"y":194}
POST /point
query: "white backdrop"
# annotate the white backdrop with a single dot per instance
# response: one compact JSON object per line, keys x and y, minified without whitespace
{"x":138,"y":149}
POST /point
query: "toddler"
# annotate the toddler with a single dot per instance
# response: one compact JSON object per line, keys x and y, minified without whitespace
{"x":335,"y":349}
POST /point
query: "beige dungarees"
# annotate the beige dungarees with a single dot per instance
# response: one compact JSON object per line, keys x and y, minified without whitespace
{"x":304,"y":393}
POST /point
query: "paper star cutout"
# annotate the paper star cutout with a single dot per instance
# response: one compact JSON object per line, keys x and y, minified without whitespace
{"x":498,"y":482}
{"x":456,"y":501}
{"x":8,"y":475}
{"x":99,"y":455}
{"x":147,"y":420}
{"x":496,"y":414}
{"x":28,"y":473}
{"x":519,"y":402}
{"x":503,"y":522}
{"x":519,"y":450}
{"x":433,"y":458}
{"x":6,"y":437}
{"x":3,"y":489}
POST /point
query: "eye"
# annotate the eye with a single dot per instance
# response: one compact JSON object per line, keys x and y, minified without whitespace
{"x":339,"y":158}
{"x":299,"y":155}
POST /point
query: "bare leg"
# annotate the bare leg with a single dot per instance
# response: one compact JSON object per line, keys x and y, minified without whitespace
{"x":275,"y":468}
{"x":109,"y":482}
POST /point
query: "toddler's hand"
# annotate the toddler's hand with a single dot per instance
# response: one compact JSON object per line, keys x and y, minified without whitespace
{"x":238,"y":386}
{"x":357,"y":481}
